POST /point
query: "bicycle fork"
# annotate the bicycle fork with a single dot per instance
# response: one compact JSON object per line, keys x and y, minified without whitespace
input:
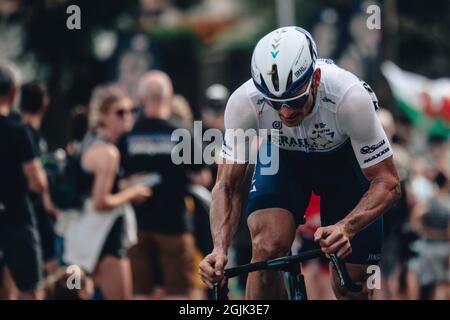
{"x":296,"y":283}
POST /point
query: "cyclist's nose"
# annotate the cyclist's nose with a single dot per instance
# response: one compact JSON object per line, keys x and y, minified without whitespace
{"x":286,"y":111}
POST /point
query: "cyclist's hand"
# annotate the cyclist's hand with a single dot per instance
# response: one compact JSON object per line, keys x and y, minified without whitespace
{"x":211,"y":268}
{"x":334,"y":238}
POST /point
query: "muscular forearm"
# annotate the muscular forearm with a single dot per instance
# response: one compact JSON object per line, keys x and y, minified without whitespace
{"x":377,"y":200}
{"x":225,"y":211}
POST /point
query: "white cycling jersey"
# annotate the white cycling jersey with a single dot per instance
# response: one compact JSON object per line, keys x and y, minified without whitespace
{"x":345,"y":108}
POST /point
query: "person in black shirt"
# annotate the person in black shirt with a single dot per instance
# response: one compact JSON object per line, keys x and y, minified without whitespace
{"x":33,"y":105}
{"x":162,"y":261}
{"x":20,"y":170}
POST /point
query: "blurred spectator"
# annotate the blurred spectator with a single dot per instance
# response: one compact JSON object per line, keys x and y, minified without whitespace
{"x":399,"y":274}
{"x":34,"y":102}
{"x":432,"y":220}
{"x":181,"y":114}
{"x":216,"y":99}
{"x":181,"y":111}
{"x":20,"y":171}
{"x":77,"y":128}
{"x":64,"y":182}
{"x":197,"y":199}
{"x":63,"y":165}
{"x":98,"y":240}
{"x":439,"y":156}
{"x":163,"y":260}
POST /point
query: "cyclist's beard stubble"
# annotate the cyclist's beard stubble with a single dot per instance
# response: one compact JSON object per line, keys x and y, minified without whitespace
{"x":294,"y":117}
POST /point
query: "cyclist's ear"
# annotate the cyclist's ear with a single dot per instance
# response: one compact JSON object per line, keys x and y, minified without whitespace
{"x":316,"y":78}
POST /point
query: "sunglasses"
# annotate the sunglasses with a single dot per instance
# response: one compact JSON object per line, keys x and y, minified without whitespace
{"x":296,"y":102}
{"x":121,"y":113}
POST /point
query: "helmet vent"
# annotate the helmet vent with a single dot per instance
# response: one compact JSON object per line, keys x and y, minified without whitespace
{"x":289,"y":80}
{"x":275,"y":80}
{"x":263,"y":84}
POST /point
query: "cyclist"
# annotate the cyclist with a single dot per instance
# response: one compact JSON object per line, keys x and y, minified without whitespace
{"x":329,"y":141}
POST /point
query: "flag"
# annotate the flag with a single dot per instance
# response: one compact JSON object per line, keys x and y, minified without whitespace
{"x":426,"y":102}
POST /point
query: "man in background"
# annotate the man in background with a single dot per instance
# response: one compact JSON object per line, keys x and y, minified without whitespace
{"x":163,"y":260}
{"x":33,"y":106}
{"x":20,"y":171}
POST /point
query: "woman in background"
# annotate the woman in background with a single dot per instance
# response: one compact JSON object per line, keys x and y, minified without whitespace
{"x":100,"y":239}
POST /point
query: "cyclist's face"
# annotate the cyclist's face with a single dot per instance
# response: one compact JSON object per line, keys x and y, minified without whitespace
{"x":292,"y":117}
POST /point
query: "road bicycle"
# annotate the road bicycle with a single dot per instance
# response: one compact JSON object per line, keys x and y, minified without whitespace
{"x":291,"y":265}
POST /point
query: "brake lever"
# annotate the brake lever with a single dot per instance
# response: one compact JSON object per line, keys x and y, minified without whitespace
{"x":220,"y":293}
{"x":344,"y":278}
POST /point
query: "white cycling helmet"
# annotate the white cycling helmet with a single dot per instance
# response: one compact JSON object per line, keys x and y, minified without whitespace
{"x":283,"y":61}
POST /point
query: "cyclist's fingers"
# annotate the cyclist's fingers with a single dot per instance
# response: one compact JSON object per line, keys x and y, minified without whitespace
{"x":206,"y":279}
{"x":344,"y":251}
{"x":219,"y":265}
{"x":206,"y":267}
{"x":332,"y":238}
{"x":205,"y":275}
{"x":336,"y":246}
{"x":319,"y":234}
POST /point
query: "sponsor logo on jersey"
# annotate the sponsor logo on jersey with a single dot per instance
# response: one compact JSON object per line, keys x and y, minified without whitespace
{"x":379,"y":154}
{"x":253,"y":186}
{"x":327,"y":61}
{"x":284,"y":141}
{"x":371,"y":93}
{"x":321,"y":136}
{"x":277,"y":124}
{"x":325,"y":99}
{"x":374,"y":257}
{"x":372,"y":148}
{"x":320,"y":125}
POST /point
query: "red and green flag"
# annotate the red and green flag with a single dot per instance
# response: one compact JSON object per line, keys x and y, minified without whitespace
{"x":426,"y":102}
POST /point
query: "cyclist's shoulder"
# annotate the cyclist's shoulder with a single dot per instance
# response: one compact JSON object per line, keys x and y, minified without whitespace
{"x":241,"y":106}
{"x":337,"y":84}
{"x":334,"y":79}
{"x":246,"y":92}
{"x":246,"y":96}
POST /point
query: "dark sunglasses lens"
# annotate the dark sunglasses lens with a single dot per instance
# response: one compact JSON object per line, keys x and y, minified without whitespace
{"x":299,"y":103}
{"x":276,"y":104}
{"x":295,"y":104}
{"x":122,"y":112}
